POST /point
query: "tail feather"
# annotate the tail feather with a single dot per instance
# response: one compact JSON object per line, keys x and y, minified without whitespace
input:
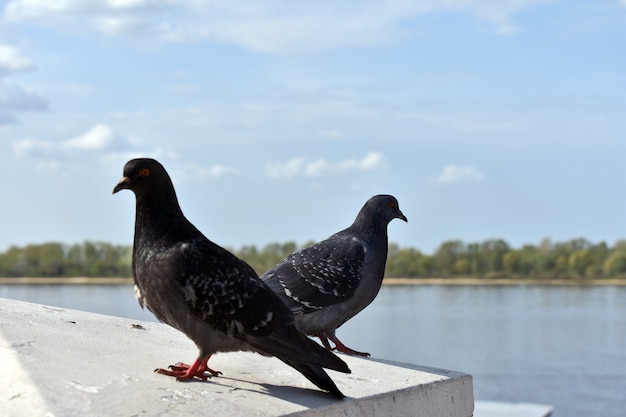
{"x":316,"y":375}
{"x":289,"y":344}
{"x":303,"y":354}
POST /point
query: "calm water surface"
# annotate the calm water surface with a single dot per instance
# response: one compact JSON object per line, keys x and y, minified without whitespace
{"x":564,"y":346}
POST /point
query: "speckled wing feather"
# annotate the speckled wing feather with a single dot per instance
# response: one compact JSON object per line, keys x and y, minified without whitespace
{"x":320,"y":275}
{"x":224,"y":292}
{"x":219,"y":288}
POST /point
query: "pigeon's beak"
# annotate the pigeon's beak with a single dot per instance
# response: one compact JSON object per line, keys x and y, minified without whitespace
{"x":124,"y":184}
{"x":401,"y":215}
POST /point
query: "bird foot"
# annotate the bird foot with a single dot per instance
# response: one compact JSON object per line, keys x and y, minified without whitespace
{"x":339,"y":347}
{"x":183,"y":372}
{"x":346,"y":349}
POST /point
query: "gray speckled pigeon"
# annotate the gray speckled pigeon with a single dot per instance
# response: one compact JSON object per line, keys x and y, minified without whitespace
{"x":206,"y":292}
{"x":328,"y":283}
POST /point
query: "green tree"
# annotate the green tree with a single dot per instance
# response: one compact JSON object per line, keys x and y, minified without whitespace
{"x":473,"y":255}
{"x":492,"y":252}
{"x":51,"y":262}
{"x":577,"y":258}
{"x":270,"y":255}
{"x":530,"y":261}
{"x":463,"y":266}
{"x":407,"y":263}
{"x":615,"y":263}
{"x":447,"y":255}
{"x":511,"y":262}
{"x":579,"y":261}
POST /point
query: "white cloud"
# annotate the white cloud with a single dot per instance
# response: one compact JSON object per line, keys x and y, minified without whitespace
{"x":322,"y":167}
{"x":129,"y":4}
{"x":458,"y":173}
{"x":49,"y":165}
{"x":32,"y":147}
{"x":17,"y":98}
{"x":469,"y":121}
{"x":128,"y":152}
{"x":14,"y":96}
{"x":97,"y":138}
{"x":202,"y":173}
{"x":319,"y":168}
{"x":259,"y":26}
{"x":371,"y":161}
{"x":31,"y":9}
{"x":12,"y":60}
{"x":100,"y":144}
{"x":287,"y":170}
{"x":18,"y":10}
{"x":330,"y":134}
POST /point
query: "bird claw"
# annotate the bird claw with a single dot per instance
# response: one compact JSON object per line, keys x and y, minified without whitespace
{"x":179,"y":366}
{"x":183,"y":372}
{"x":181,"y":375}
{"x":346,"y":349}
{"x":339,"y":347}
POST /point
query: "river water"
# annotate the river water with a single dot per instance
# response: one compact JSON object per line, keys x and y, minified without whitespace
{"x":563,"y":346}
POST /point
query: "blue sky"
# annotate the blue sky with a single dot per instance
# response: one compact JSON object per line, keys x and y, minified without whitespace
{"x":277,"y":120}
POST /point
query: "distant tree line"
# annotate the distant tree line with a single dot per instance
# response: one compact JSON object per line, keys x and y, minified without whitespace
{"x":575,"y":259}
{"x":53,"y":259}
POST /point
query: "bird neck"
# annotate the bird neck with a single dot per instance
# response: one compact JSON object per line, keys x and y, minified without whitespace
{"x":371,"y":226}
{"x":157,"y":217}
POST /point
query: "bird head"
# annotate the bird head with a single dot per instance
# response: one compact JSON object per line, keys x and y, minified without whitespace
{"x":387,"y":206}
{"x":142,"y":175}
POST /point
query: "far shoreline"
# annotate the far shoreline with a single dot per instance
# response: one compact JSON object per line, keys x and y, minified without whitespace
{"x":467,"y":281}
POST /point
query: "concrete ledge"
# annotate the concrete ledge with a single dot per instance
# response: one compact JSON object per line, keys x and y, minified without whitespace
{"x":63,"y":362}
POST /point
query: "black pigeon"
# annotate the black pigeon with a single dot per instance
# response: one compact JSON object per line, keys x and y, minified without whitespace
{"x":206,"y":292}
{"x":328,"y":283}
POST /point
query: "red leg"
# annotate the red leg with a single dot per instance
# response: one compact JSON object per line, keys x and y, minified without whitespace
{"x":324,"y":341}
{"x":184,"y":372}
{"x":340,"y":347}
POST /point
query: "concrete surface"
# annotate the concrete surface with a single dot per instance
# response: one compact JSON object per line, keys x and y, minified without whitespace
{"x":59,"y":362}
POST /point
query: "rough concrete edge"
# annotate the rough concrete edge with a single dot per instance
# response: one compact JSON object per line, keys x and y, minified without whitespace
{"x":422,"y":400}
{"x":415,"y":401}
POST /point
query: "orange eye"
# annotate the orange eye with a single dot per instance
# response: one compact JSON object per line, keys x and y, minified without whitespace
{"x":391,"y":204}
{"x":144,"y":172}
